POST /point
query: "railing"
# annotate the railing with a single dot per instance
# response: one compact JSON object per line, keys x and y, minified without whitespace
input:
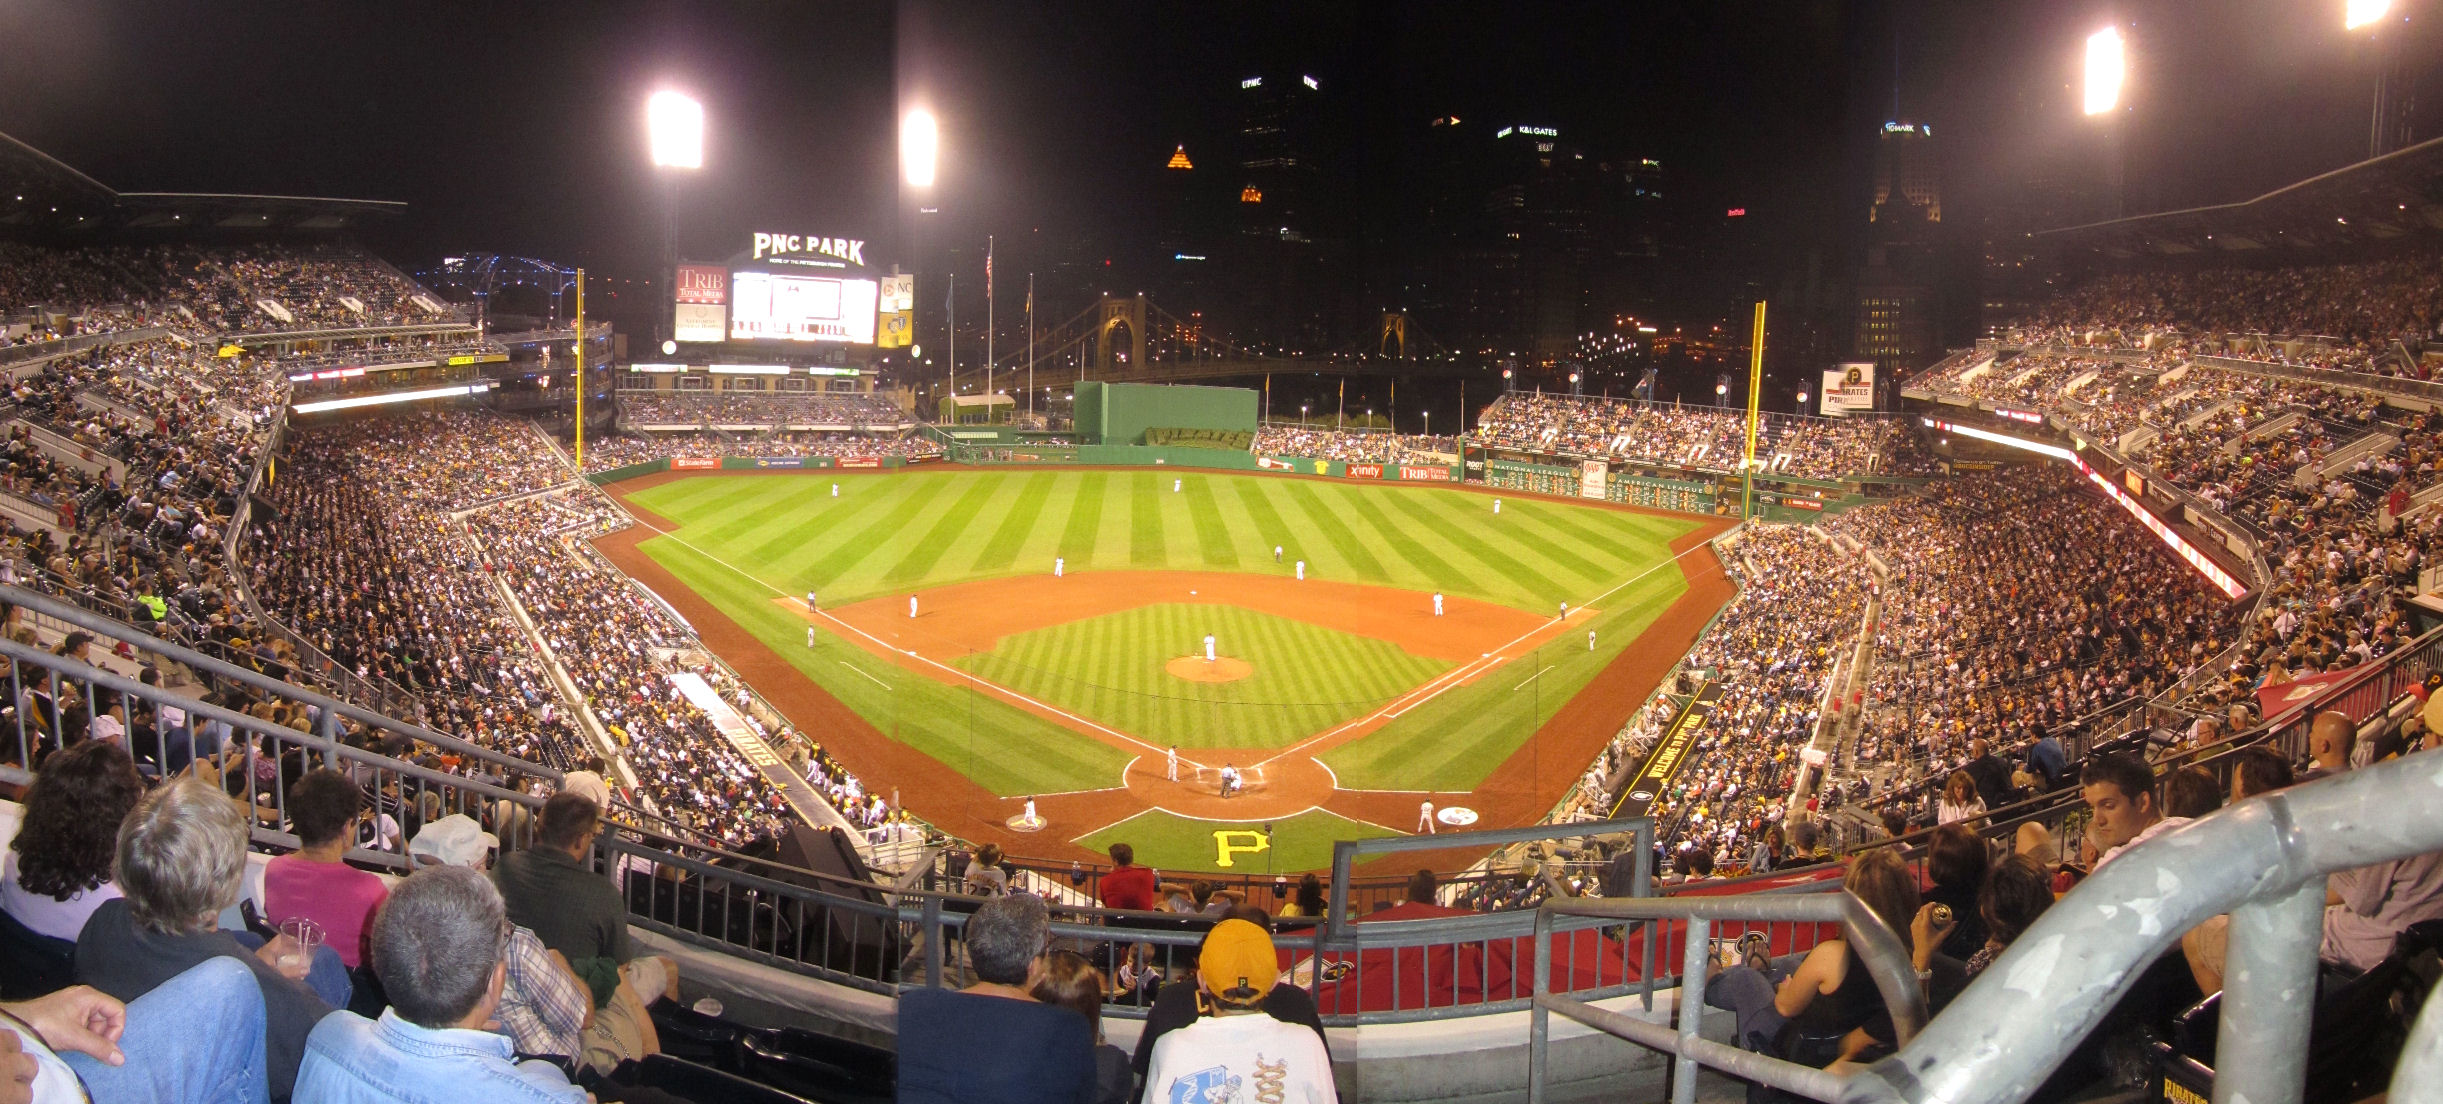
{"x":44,"y":350}
{"x":1886,"y":959}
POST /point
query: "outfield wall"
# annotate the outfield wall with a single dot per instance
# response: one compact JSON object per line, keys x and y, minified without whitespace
{"x":1120,"y":413}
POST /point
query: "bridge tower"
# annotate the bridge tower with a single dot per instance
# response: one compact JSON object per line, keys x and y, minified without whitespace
{"x":1394,"y":339}
{"x":1126,"y":312}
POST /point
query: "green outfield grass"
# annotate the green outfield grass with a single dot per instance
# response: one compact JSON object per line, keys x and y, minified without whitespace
{"x":889,"y":534}
{"x":1307,"y":678}
{"x":1170,"y":842}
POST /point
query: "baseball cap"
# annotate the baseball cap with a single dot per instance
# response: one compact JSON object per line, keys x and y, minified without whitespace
{"x":454,"y":840}
{"x":1238,"y":965}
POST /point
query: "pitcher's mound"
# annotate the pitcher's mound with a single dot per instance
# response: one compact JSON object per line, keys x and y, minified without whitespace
{"x":1200,"y":669}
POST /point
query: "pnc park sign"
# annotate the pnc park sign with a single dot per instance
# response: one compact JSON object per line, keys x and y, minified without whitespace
{"x":851,"y":250}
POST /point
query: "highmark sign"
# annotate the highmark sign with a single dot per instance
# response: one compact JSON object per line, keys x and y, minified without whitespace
{"x":851,"y":250}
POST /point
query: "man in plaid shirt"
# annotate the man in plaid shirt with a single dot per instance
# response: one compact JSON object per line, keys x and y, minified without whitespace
{"x":544,"y":1007}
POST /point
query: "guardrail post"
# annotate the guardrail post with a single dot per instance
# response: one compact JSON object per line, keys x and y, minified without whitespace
{"x":1641,"y":884}
{"x":1539,"y":1019}
{"x":1691,"y":1012}
{"x":2268,"y":998}
{"x":932,"y":928}
{"x":327,"y":726}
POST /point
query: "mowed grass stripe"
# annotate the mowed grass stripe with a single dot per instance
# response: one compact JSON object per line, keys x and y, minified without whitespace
{"x":1551,"y":550}
{"x":1270,"y":530}
{"x":1212,"y":536}
{"x":1145,"y":544}
{"x":1533,"y":581}
{"x":1398,"y":539}
{"x":936,"y":542}
{"x":1085,"y":518}
{"x":1352,"y":551}
{"x":848,"y":549}
{"x":748,"y":507}
{"x":1017,"y":522}
{"x":1654,"y":539}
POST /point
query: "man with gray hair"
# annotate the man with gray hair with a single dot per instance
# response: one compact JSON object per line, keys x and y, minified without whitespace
{"x":181,"y":860}
{"x":437,"y":948}
{"x":993,"y":1041}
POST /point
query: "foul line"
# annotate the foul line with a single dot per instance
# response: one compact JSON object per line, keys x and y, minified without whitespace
{"x":1470,"y":669}
{"x":1522,"y":683}
{"x":862,"y":671}
{"x":992,"y":687}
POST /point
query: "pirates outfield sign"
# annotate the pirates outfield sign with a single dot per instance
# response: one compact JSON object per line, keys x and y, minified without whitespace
{"x":851,"y":250}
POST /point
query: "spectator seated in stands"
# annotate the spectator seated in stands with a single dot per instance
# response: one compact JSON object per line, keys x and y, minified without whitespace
{"x":1127,"y":885}
{"x":1068,"y":981}
{"x":181,"y":861}
{"x":1806,"y":1009}
{"x":994,"y":1040}
{"x":197,"y":1037}
{"x":437,"y":949}
{"x":2120,"y":789}
{"x":544,"y":1006}
{"x":1956,"y":868}
{"x":315,"y":883}
{"x":58,"y":866}
{"x":1241,"y":1051}
{"x":551,"y":890}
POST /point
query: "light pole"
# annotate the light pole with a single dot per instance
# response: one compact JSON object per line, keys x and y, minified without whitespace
{"x":2107,"y":66}
{"x":919,"y":158}
{"x":674,"y":127}
{"x":2386,"y":129}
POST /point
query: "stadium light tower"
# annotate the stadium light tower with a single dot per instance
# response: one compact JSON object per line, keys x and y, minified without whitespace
{"x":920,"y":145}
{"x":2107,"y":64}
{"x":2359,"y":13}
{"x":674,"y":129}
{"x":2388,"y":128}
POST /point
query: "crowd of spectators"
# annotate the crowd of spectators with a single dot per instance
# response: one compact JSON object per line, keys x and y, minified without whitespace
{"x":621,"y":450}
{"x":1354,"y":447}
{"x":2363,"y":303}
{"x":2017,"y":603}
{"x":53,"y":292}
{"x":760,"y":408}
{"x":1711,"y":437}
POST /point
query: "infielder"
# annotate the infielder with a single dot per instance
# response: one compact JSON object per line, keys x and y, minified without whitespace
{"x":1174,"y":762}
{"x":911,"y":605}
{"x":810,"y":601}
{"x":1059,"y":564}
{"x":1208,"y":647}
{"x":810,"y":636}
{"x":1564,"y":611}
{"x":1425,"y":818}
{"x":1590,"y":640}
{"x":1437,"y":604}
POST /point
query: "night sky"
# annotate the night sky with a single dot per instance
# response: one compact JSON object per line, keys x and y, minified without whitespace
{"x":517,"y":127}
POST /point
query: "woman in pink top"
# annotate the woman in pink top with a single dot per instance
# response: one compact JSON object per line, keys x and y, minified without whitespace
{"x":314,"y":884}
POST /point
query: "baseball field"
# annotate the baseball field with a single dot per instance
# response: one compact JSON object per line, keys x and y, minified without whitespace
{"x":977,"y":638}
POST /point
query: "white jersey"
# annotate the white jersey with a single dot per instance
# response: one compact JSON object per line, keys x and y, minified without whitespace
{"x":1239,"y":1060}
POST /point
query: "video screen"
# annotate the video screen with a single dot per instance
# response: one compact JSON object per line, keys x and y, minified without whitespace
{"x":769,"y":307}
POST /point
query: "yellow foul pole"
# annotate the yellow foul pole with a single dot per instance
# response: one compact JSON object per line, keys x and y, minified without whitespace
{"x":1755,"y":392}
{"x":581,"y":376}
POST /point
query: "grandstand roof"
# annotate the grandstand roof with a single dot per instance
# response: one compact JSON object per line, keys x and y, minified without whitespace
{"x":42,"y":197}
{"x":2394,"y":196}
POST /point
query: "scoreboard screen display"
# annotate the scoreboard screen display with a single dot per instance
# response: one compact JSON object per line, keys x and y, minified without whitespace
{"x":772,"y":307}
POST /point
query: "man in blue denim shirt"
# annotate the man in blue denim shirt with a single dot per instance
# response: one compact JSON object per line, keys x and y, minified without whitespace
{"x":437,"y":948}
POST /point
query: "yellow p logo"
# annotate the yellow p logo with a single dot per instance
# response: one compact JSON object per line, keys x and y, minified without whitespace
{"x":1228,"y":843}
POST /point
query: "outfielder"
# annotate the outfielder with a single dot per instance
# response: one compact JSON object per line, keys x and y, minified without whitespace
{"x":1059,"y":564}
{"x":1276,"y":553}
{"x":1302,"y":571}
{"x":835,"y":490}
{"x":810,"y":636}
{"x":1173,"y":758}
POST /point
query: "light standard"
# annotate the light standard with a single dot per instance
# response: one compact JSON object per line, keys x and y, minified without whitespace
{"x":1802,"y":402}
{"x":2386,"y":130}
{"x":2107,"y":66}
{"x":674,"y":126}
{"x":919,"y":156}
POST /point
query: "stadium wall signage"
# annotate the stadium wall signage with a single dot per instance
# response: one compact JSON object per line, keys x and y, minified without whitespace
{"x":689,"y":463}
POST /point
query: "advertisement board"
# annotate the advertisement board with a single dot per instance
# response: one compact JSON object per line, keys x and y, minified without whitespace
{"x":691,"y":463}
{"x":1591,"y":478}
{"x":769,"y":307}
{"x":1849,"y":388}
{"x":1425,"y":474}
{"x":860,"y":462}
{"x":702,"y":294}
{"x":1365,"y":471}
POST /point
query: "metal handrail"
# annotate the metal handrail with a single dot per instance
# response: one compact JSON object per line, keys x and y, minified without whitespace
{"x":1879,"y":948}
{"x":2262,"y":861}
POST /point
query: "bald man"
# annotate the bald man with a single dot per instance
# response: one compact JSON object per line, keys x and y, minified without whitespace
{"x":2329,"y":742}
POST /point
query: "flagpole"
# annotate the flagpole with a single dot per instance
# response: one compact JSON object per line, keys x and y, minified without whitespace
{"x":988,"y":327}
{"x":951,"y":304}
{"x":1030,"y":348}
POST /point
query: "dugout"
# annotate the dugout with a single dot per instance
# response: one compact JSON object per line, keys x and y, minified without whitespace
{"x":1124,"y":413}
